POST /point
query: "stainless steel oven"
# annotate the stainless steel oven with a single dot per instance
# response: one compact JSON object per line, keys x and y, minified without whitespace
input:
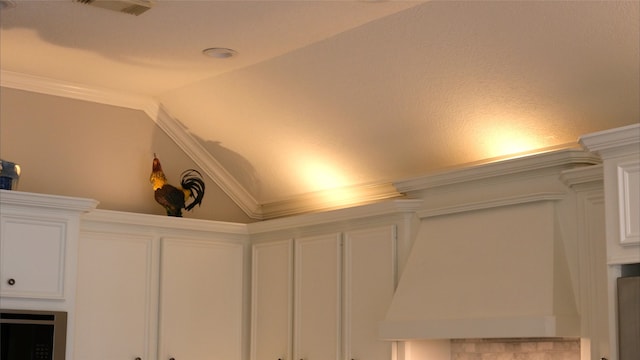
{"x":32,"y":335}
{"x":629,"y":315}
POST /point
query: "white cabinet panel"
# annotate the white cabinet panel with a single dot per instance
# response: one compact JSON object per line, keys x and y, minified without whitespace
{"x":369,"y":283}
{"x":201,"y":300}
{"x":33,"y":258}
{"x":629,"y":202}
{"x":272,"y":274}
{"x":317,"y":298}
{"x":116,"y":300}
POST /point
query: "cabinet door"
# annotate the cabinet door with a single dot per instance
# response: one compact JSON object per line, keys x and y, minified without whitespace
{"x":369,"y":283}
{"x":272,"y":280}
{"x":317,"y":298}
{"x":201,"y":300}
{"x":116,"y":303}
{"x":32,"y":254}
{"x":622,"y":189}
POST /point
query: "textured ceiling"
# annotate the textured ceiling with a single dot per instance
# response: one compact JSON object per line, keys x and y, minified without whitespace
{"x":326,"y":94}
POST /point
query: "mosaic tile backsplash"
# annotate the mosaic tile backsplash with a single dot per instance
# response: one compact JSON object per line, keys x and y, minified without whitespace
{"x":515,"y":349}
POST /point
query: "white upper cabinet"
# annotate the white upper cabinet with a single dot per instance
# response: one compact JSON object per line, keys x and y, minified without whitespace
{"x":296,"y":304}
{"x":340,"y":284}
{"x":33,"y":257}
{"x":620,"y":152}
{"x":117,"y":284}
{"x":154,"y":287}
{"x":38,"y":244}
{"x":201,"y":299}
{"x":320,"y":287}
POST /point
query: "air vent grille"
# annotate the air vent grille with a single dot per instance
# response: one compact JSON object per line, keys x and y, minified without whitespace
{"x":133,"y":7}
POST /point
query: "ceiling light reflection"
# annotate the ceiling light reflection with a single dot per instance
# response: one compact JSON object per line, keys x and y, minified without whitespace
{"x":331,"y":187}
{"x":329,"y":183}
{"x":504,"y":138}
{"x":322,"y":176}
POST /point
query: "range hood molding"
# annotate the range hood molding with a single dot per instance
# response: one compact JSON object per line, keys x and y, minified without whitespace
{"x":499,"y":328}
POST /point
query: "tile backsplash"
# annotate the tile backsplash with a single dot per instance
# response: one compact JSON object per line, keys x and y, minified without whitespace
{"x":516,"y":349}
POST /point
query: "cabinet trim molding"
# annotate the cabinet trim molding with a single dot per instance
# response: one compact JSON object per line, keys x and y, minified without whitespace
{"x":51,"y":202}
{"x":492,"y":203}
{"x":628,"y":181}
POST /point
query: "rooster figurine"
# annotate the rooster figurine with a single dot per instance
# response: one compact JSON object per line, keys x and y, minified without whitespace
{"x":172,"y":198}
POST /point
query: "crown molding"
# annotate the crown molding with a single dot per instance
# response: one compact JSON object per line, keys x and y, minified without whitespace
{"x":327,"y":200}
{"x":76,"y":91}
{"x":93,"y":220}
{"x":613,"y":142}
{"x":552,"y":160}
{"x":369,"y":211}
{"x":492,"y":203}
{"x":13,"y":198}
{"x":583,"y":175}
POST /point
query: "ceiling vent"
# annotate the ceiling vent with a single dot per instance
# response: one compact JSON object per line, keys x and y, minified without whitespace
{"x":133,"y":7}
{"x":7,"y":4}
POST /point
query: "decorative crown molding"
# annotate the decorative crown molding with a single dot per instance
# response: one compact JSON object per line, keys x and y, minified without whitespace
{"x":76,"y":91}
{"x":553,"y":160}
{"x":613,"y":142}
{"x":327,"y":200}
{"x":368,"y":211}
{"x":93,"y":220}
{"x":583,"y":175}
{"x":492,"y":203}
{"x":12,"y":198}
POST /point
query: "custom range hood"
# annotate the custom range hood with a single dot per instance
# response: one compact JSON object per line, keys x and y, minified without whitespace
{"x":495,"y":268}
{"x":495,"y":273}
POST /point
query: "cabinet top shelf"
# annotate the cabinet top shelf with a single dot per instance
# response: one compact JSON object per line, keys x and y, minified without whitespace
{"x":19,"y":199}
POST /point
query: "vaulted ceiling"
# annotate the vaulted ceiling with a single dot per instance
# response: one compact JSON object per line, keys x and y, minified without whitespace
{"x":353,"y":96}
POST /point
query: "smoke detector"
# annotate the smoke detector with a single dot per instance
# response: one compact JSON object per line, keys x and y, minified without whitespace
{"x":133,"y":7}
